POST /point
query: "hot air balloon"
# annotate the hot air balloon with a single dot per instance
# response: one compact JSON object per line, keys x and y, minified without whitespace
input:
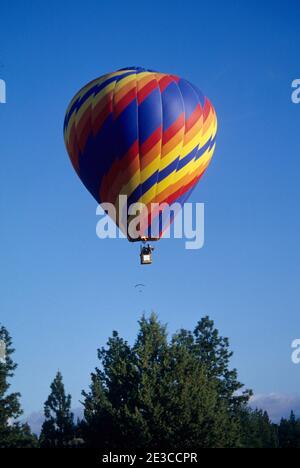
{"x":143,"y":135}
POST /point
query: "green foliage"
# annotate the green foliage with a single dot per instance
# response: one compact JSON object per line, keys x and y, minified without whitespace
{"x":160,"y":394}
{"x":289,"y":432}
{"x":58,"y":430}
{"x":257,"y":431}
{"x":12,"y":433}
{"x":18,"y":436}
{"x":157,"y":394}
{"x":213,"y":351}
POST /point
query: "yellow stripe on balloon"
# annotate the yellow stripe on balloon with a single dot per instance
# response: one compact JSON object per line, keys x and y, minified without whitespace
{"x":170,"y":152}
{"x":89,"y":86}
{"x":171,"y":156}
{"x":190,"y":146}
{"x":108,"y":89}
{"x":149,"y":196}
{"x":123,"y":86}
{"x":152,"y":167}
{"x":84,"y":90}
{"x":76,"y":115}
{"x":149,"y":171}
{"x":161,"y":186}
{"x":195,"y":130}
{"x":192,"y":165}
{"x":132,"y":185}
{"x":144,"y":78}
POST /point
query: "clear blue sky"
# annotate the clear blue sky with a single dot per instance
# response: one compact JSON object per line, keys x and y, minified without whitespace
{"x":63,"y":290}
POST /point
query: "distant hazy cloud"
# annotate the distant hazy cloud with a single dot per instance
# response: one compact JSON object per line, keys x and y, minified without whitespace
{"x":277,"y":405}
{"x":36,"y":419}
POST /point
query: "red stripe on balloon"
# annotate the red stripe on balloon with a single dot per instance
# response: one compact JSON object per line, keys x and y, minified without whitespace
{"x":164,"y":82}
{"x":172,"y":198}
{"x":179,"y":194}
{"x":151,"y":141}
{"x":83,"y":129}
{"x":98,"y":119}
{"x":194,"y":117}
{"x":117,"y":175}
{"x":73,"y":148}
{"x":175,"y":78}
{"x":146,"y":90}
{"x":173,"y":129}
{"x":124,"y":102}
{"x":207,"y":108}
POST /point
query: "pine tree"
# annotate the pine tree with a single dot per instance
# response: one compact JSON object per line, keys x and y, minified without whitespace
{"x":289,"y":432}
{"x":213,"y":350}
{"x":58,"y":430}
{"x":160,"y":394}
{"x":13,"y":434}
{"x":214,"y":354}
{"x":257,"y":431}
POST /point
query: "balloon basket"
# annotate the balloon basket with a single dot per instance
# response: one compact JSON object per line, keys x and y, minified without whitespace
{"x":146,"y":254}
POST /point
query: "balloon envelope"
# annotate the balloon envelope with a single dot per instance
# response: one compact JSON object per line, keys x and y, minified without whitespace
{"x":146,"y":135}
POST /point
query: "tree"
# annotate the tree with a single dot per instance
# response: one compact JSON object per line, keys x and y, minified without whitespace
{"x":289,"y":432}
{"x":213,"y":350}
{"x":162,"y":394}
{"x":58,"y":429}
{"x":13,"y":434}
{"x":257,"y":430}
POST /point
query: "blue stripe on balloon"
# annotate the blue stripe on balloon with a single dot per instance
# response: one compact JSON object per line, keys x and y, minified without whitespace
{"x":161,"y":221}
{"x":126,"y":129}
{"x":184,"y":198}
{"x":184,"y":161}
{"x":97,"y":158}
{"x":135,"y":196}
{"x":205,"y":147}
{"x":168,"y":170}
{"x":181,"y":200}
{"x":177,"y":164}
{"x":78,"y":103}
{"x":172,"y":105}
{"x":135,"y":68}
{"x":149,"y":183}
{"x":125,"y":134}
{"x":149,"y":120}
{"x":149,"y":115}
{"x":190,"y":98}
{"x":112,"y":141}
{"x":199,"y":94}
{"x":94,"y":90}
{"x":142,"y":189}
